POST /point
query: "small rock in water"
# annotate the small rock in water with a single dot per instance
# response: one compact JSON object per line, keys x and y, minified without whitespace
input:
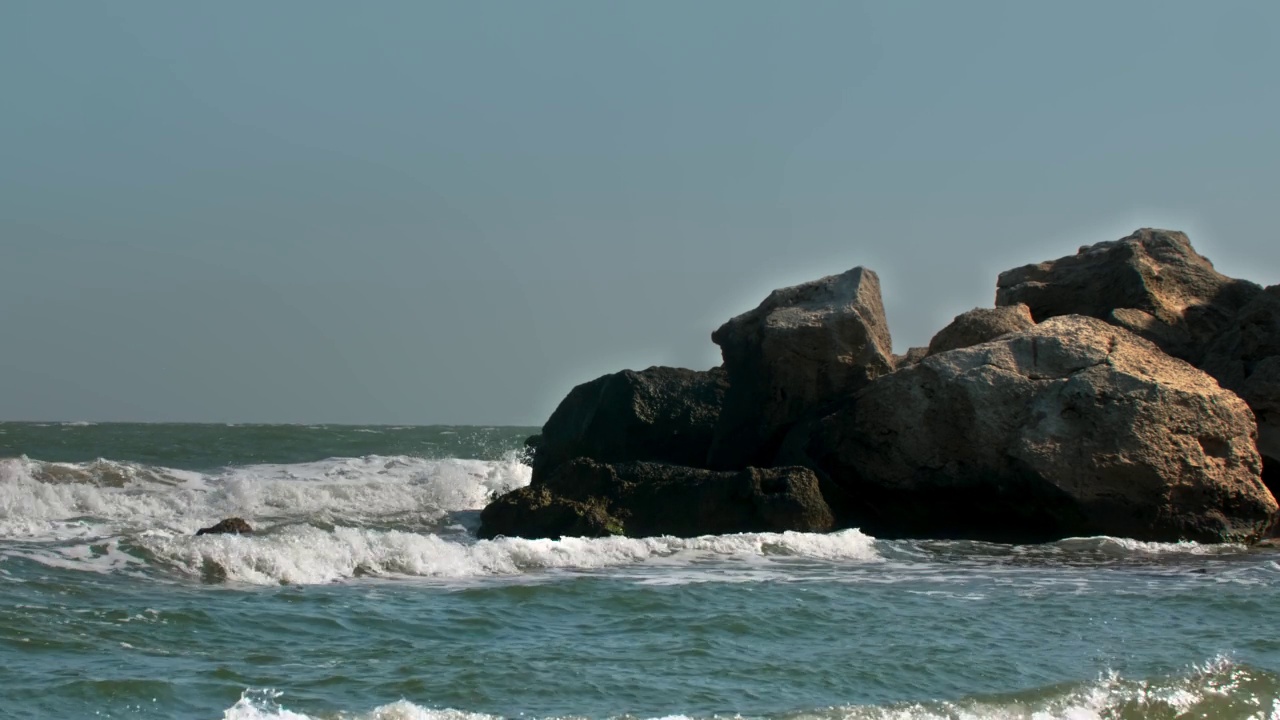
{"x":230,"y":526}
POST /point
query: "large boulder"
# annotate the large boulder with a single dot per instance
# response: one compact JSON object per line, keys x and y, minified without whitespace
{"x":1072,"y":427}
{"x":588,"y":498}
{"x":1151,"y":282}
{"x":981,"y":325}
{"x":800,"y":349}
{"x":661,"y":414}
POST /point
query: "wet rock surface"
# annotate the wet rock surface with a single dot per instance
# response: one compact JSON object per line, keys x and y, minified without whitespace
{"x":588,"y":498}
{"x":229,"y":526}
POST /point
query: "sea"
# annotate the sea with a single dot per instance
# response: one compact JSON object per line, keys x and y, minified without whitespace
{"x":364,"y":594}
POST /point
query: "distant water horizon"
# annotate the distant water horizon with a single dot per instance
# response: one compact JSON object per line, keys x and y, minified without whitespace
{"x":364,"y":594}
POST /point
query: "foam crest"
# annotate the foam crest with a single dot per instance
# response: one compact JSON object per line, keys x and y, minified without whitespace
{"x":42,"y":501}
{"x":262,"y":705}
{"x":1219,"y":689}
{"x":1125,"y":547}
{"x":309,"y":555}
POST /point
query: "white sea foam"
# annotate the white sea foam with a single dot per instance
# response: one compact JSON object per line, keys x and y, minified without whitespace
{"x":1218,"y":689}
{"x":308,"y":555}
{"x":42,"y":501}
{"x":1125,"y":547}
{"x":261,"y":705}
{"x":80,"y":515}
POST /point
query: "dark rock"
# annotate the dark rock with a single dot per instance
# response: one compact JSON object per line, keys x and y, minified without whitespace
{"x":229,"y":526}
{"x":660,"y":414}
{"x":980,"y":325}
{"x":1271,"y":474}
{"x":1245,"y":357}
{"x":1152,"y":283}
{"x":1073,"y":427}
{"x":536,"y":512}
{"x":910,"y":357}
{"x":587,"y":498}
{"x":800,"y":349}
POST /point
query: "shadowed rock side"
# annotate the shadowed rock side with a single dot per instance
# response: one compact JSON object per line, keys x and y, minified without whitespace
{"x":1073,"y":427}
{"x":980,"y":325}
{"x":660,"y":414}
{"x":800,"y":349}
{"x":910,"y":357}
{"x":1152,"y":283}
{"x":1245,"y":358}
{"x":587,"y":498}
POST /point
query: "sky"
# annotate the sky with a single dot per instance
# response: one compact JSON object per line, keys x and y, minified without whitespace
{"x":431,"y":212}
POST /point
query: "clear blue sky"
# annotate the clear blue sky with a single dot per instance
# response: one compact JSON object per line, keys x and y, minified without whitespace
{"x":425,"y":212}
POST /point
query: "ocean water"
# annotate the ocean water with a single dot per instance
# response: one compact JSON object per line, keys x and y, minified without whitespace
{"x":366,"y":595}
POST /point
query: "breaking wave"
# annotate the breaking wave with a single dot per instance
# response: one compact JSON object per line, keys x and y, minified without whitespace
{"x":309,"y":555}
{"x":1218,"y":690}
{"x":44,"y":501}
{"x":400,"y":516}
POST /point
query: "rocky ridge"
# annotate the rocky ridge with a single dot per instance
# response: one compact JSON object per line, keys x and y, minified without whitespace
{"x":1128,"y":390}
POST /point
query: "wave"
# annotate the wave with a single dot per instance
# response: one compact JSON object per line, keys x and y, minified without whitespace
{"x":1217,"y":690}
{"x":400,"y":516}
{"x":51,"y":502}
{"x":309,"y":555}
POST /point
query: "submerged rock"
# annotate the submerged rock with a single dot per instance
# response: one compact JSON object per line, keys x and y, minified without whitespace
{"x":1072,"y":427}
{"x":800,"y":349}
{"x":661,"y":414}
{"x":229,"y":526}
{"x":592,"y":499}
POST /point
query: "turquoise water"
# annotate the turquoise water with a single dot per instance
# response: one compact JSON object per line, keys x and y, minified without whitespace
{"x":365,"y":595}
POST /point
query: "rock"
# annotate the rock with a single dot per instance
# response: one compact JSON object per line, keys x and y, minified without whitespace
{"x":800,"y":349}
{"x":1262,"y":391}
{"x":911,"y":357}
{"x":1152,"y":283}
{"x":1073,"y":427}
{"x":980,"y":325}
{"x":229,"y":526}
{"x":660,"y":414}
{"x":1245,"y":358}
{"x":588,"y":498}
{"x":534,"y":511}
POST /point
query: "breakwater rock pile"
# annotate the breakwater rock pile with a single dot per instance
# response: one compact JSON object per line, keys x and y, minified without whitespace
{"x":1128,"y":390}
